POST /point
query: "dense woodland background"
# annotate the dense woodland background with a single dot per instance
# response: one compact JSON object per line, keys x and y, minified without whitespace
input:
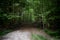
{"x":43,"y":14}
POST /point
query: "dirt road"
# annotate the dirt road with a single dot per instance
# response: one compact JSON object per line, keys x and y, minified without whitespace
{"x":25,"y":34}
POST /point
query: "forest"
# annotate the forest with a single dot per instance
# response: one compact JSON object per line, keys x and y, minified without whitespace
{"x":40,"y":14}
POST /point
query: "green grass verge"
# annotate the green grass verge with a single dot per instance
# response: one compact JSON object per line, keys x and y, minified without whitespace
{"x":37,"y":37}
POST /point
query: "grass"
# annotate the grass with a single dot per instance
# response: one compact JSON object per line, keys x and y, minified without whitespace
{"x":37,"y":37}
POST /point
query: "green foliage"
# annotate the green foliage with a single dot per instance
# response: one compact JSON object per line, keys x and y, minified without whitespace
{"x":4,"y":32}
{"x":32,"y":11}
{"x":37,"y":37}
{"x":53,"y":33}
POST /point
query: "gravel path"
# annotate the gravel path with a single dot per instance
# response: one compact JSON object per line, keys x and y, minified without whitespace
{"x":25,"y":34}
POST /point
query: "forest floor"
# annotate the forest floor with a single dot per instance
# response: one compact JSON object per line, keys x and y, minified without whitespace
{"x":25,"y":34}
